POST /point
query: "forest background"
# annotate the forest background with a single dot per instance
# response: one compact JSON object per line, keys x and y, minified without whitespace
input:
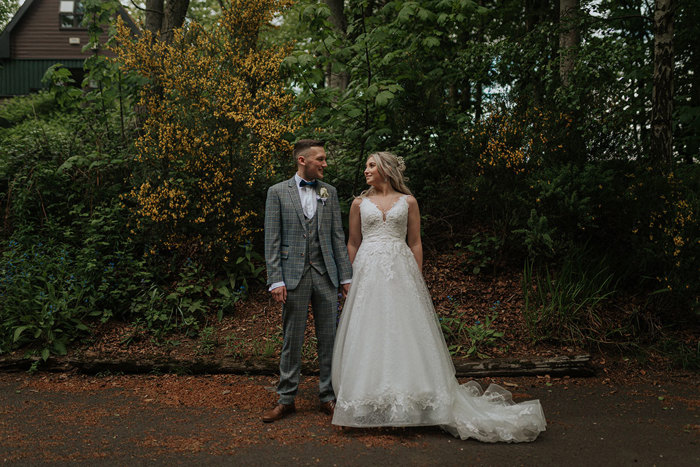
{"x":555,"y":139}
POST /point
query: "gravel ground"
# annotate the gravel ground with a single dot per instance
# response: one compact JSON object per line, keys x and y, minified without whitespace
{"x":69,"y":419}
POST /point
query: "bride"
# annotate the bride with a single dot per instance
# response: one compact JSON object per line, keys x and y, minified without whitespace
{"x":391,"y":366}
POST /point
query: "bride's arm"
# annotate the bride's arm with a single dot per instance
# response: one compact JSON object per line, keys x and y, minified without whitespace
{"x":413,"y":234}
{"x":355,"y":235}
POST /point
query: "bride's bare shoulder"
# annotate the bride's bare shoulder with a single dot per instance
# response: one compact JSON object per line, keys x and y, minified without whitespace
{"x":357,"y":201}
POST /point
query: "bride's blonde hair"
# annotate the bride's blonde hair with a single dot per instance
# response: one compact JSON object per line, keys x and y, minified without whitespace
{"x":392,"y":168}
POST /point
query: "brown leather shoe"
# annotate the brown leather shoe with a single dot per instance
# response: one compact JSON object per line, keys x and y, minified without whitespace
{"x":327,"y":407}
{"x":279,"y":412}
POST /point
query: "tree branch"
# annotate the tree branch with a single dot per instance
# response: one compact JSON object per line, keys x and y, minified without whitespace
{"x":146,"y":9}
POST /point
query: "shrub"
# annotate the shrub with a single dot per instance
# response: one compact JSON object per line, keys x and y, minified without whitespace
{"x":470,"y":340}
{"x":216,"y":119}
{"x":52,"y":290}
{"x":192,"y":299}
{"x":65,"y":257}
{"x":17,"y":109}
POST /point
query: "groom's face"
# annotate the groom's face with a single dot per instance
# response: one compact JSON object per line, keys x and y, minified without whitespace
{"x":313,"y":163}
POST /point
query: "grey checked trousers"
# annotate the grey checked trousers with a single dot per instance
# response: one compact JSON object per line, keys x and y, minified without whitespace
{"x":318,"y":290}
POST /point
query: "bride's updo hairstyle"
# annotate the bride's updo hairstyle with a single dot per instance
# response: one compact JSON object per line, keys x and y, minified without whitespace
{"x":391,"y":167}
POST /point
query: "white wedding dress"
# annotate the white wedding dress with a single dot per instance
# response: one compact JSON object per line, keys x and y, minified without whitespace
{"x":391,"y":366}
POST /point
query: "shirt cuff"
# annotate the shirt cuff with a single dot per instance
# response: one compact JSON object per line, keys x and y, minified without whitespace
{"x":346,"y":281}
{"x":275,"y":285}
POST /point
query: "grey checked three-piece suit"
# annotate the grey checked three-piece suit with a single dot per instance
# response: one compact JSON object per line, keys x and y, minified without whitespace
{"x":310,"y":257}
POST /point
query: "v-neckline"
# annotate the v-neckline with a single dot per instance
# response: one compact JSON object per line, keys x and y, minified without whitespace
{"x":384,"y":213}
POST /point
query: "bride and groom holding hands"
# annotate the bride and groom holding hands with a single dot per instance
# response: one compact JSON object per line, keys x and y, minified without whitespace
{"x":387,"y":363}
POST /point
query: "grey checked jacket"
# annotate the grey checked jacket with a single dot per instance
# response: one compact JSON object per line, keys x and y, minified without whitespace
{"x":284,"y":235}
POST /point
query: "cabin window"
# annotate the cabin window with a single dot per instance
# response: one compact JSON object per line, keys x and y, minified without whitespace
{"x":70,"y":14}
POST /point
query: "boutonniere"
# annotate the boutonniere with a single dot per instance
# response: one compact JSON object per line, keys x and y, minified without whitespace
{"x":323,"y":195}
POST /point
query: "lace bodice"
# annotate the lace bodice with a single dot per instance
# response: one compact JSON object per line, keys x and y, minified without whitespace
{"x":384,"y":237}
{"x":384,"y":226}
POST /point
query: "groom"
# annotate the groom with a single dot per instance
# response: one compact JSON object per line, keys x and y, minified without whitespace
{"x":307,"y":261}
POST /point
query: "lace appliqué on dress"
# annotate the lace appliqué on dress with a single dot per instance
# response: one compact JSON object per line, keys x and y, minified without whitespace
{"x":394,"y":409}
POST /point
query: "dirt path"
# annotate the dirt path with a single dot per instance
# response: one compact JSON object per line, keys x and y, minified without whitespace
{"x":66,"y":419}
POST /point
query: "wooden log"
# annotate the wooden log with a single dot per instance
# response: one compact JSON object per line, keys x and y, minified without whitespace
{"x":578,"y":365}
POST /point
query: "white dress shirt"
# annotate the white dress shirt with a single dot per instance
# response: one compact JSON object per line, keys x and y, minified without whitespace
{"x":307,"y":195}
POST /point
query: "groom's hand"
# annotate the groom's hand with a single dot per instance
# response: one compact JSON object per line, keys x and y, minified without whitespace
{"x":345,"y":288}
{"x":280,"y":294}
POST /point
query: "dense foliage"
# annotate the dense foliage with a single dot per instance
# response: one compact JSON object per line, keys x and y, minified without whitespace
{"x":140,"y":197}
{"x":75,"y":251}
{"x":502,"y":142}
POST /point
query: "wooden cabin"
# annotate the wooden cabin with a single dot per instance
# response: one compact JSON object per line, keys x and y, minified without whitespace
{"x":41,"y":34}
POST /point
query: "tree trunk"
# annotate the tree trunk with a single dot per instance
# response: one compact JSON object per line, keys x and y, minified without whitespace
{"x":154,"y":16}
{"x":479,"y":85}
{"x":92,"y":362}
{"x":340,"y":23}
{"x":692,"y":148}
{"x":569,"y":39}
{"x":175,"y":12}
{"x":337,"y":15}
{"x":534,"y":13}
{"x":662,"y":94}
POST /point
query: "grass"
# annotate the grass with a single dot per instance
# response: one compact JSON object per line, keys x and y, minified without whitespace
{"x":565,"y":306}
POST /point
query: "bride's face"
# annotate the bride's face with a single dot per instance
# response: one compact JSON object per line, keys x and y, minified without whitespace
{"x":372,"y":174}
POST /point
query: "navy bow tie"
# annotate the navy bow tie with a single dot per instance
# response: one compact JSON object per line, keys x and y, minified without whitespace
{"x":304,"y":183}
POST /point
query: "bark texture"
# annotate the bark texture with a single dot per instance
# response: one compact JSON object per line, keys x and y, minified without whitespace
{"x":154,"y":16}
{"x":174,"y":17}
{"x":569,"y":39}
{"x":340,"y":23}
{"x":162,"y":18}
{"x":535,"y":12}
{"x":662,"y":94}
{"x":574,"y":365}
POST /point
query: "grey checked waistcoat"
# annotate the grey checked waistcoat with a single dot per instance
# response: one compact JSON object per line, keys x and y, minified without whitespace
{"x":313,"y":254}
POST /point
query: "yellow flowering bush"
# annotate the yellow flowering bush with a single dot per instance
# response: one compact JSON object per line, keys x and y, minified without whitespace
{"x":215,"y":118}
{"x":507,"y":141}
{"x":509,"y":149}
{"x":667,"y":229}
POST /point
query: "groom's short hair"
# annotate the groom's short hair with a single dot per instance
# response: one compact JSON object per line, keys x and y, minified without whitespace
{"x":301,"y":146}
